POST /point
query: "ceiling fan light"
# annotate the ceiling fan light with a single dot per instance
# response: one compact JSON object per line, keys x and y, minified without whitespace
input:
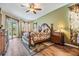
{"x":31,"y":9}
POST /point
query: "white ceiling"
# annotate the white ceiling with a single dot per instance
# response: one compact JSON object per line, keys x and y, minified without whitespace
{"x":17,"y":10}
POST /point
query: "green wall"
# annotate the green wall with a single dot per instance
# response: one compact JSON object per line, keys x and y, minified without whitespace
{"x":57,"y":17}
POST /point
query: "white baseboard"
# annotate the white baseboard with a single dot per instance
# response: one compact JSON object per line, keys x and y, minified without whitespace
{"x":72,"y":45}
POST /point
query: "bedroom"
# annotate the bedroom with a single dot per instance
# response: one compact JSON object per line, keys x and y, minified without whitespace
{"x":49,"y":30}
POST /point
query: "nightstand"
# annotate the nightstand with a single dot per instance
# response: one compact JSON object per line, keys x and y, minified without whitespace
{"x":57,"y":37}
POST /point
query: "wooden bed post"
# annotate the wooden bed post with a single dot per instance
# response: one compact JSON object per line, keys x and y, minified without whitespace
{"x":51,"y":29}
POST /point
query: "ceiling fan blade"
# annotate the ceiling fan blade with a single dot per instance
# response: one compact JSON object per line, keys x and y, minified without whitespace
{"x":27,"y":10}
{"x":38,"y":9}
{"x":31,"y":5}
{"x":34,"y":12}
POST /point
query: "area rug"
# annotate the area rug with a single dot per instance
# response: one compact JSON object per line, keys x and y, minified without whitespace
{"x":39,"y":47}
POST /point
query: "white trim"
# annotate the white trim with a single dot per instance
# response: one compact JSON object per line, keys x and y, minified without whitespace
{"x":72,"y":45}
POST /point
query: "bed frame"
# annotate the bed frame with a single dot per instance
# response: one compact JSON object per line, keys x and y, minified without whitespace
{"x":41,"y":36}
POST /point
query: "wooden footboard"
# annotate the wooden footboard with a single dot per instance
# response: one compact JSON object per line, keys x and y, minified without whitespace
{"x":39,"y":37}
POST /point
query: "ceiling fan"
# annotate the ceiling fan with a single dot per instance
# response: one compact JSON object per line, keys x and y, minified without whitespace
{"x":32,"y":7}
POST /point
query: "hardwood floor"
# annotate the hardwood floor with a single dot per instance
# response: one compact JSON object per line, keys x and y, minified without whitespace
{"x":16,"y":48}
{"x":57,"y":50}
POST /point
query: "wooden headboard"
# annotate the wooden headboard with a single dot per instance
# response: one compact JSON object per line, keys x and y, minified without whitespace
{"x":45,"y":24}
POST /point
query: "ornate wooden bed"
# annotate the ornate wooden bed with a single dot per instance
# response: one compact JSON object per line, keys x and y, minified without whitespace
{"x":40,"y":36}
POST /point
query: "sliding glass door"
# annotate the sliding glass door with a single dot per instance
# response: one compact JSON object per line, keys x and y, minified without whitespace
{"x":12,"y":27}
{"x":9,"y":27}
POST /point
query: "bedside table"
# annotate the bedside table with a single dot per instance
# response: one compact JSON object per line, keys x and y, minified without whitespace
{"x":57,"y":37}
